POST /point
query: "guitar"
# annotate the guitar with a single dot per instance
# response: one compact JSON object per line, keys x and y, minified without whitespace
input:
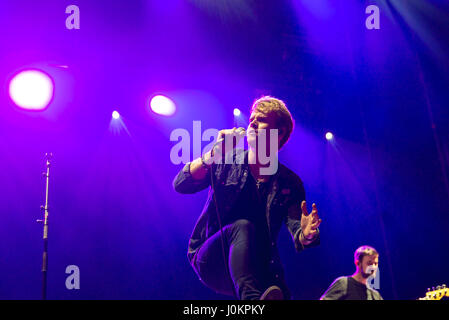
{"x":436,"y":294}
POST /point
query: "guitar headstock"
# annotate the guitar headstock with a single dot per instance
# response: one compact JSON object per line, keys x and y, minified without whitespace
{"x":437,"y":293}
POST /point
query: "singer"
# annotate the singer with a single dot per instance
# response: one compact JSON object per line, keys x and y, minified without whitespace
{"x":233,"y":245}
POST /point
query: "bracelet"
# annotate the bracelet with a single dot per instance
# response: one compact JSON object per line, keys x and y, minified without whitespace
{"x":304,"y":237}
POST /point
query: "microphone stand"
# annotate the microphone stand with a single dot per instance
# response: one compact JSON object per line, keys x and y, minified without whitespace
{"x":45,"y":222}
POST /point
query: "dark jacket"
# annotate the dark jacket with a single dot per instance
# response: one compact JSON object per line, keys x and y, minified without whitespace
{"x":283,"y":203}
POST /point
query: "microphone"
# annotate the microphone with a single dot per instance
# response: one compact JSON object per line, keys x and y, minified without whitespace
{"x":240,"y":131}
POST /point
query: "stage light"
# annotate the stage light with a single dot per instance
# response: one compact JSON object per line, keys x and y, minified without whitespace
{"x":237,"y":112}
{"x":115,"y":115}
{"x":162,"y":105}
{"x":31,"y":90}
{"x":329,"y":136}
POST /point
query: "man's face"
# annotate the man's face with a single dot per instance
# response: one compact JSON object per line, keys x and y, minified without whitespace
{"x":369,"y":266}
{"x":258,"y":121}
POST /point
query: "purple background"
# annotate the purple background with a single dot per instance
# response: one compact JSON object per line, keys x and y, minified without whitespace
{"x":383,"y":93}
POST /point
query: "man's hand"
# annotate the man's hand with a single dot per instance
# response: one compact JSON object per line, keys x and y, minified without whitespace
{"x":231,"y":139}
{"x":309,"y":222}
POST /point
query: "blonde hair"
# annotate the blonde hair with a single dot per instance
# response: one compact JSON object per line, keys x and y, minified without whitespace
{"x":284,"y":119}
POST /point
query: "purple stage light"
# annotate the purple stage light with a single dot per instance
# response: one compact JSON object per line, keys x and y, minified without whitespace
{"x":329,"y":136}
{"x":31,"y":90}
{"x":163,"y":105}
{"x":237,"y":112}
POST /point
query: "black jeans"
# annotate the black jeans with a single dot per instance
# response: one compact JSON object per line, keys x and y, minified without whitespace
{"x":244,"y":255}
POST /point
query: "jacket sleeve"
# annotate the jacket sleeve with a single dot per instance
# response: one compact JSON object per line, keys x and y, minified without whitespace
{"x":293,"y":220}
{"x":185,"y":183}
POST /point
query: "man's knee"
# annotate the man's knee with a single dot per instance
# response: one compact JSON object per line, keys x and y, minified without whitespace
{"x":243,"y":227}
{"x":244,"y":224}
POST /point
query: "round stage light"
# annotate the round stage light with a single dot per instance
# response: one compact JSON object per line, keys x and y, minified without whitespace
{"x":31,"y":90}
{"x":237,"y":112}
{"x":329,"y":136}
{"x":162,"y":105}
{"x":115,"y":115}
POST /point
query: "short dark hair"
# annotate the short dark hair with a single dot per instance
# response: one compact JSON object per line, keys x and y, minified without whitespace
{"x":364,"y":251}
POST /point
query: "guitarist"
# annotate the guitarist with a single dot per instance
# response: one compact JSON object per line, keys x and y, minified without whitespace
{"x":366,"y":260}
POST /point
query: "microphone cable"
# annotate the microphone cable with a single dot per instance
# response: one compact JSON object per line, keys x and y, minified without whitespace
{"x":236,"y":296}
{"x":228,"y":273}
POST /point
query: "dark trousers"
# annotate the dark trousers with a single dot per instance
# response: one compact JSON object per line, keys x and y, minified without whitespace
{"x":244,"y":255}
